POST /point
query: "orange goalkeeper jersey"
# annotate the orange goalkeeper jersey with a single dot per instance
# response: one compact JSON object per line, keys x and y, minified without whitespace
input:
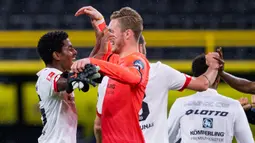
{"x":128,"y":78}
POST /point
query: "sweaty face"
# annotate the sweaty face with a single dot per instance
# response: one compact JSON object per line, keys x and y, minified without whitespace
{"x":118,"y":43}
{"x":67,"y":55}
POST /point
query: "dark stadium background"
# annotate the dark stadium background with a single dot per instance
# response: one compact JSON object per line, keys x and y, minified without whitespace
{"x":175,"y":31}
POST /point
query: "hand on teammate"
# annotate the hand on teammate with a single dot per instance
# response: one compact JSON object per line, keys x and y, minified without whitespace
{"x":213,"y":60}
{"x":219,"y":51}
{"x":81,"y":80}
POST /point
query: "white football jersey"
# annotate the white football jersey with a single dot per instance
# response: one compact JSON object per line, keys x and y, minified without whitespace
{"x":208,"y":117}
{"x":58,"y":109}
{"x":153,"y":115}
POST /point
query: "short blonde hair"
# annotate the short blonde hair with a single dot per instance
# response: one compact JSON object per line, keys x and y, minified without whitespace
{"x":129,"y":19}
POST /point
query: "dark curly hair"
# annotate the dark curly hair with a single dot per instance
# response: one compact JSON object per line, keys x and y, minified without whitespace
{"x":49,"y":43}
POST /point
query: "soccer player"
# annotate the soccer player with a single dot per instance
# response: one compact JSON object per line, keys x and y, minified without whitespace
{"x":153,"y":106}
{"x":54,"y":88}
{"x":128,"y":77}
{"x":207,"y":116}
{"x":153,"y":115}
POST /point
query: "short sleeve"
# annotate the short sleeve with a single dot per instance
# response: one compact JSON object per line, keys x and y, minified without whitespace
{"x":47,"y":83}
{"x":174,"y":79}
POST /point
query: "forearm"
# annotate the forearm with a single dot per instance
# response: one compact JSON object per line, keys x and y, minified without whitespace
{"x":203,"y":82}
{"x":98,"y":130}
{"x":96,"y":48}
{"x":98,"y":32}
{"x":117,"y":72}
{"x":211,"y":75}
{"x":98,"y":134}
{"x":240,"y":84}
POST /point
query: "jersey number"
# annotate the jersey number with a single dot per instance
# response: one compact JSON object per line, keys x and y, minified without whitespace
{"x":145,"y":111}
{"x":43,"y":113}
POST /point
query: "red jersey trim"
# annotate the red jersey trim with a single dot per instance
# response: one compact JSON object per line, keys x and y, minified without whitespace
{"x":188,"y":79}
{"x":55,"y":85}
{"x":98,"y":114}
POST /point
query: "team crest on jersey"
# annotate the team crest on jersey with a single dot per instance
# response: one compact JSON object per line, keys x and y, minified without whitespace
{"x":207,"y":122}
{"x":138,"y":64}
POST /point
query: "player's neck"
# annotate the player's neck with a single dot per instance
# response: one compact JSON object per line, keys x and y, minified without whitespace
{"x":128,"y":49}
{"x":214,"y":87}
{"x":56,"y":66}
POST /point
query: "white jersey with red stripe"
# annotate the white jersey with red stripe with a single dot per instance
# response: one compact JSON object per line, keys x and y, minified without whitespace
{"x":153,"y":115}
{"x":58,"y":109}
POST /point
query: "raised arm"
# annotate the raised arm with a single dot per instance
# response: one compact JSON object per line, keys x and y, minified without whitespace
{"x":100,"y":27}
{"x":240,"y":84}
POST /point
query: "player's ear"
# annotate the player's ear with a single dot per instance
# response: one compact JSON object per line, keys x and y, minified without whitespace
{"x":128,"y":33}
{"x":56,"y":56}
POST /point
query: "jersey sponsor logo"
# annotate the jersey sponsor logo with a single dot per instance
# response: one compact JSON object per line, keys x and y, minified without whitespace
{"x":50,"y":75}
{"x":138,"y":64}
{"x":207,"y":123}
{"x":207,"y":133}
{"x":207,"y":112}
{"x":211,"y":139}
{"x":112,"y":86}
{"x":146,"y":126}
{"x":207,"y":104}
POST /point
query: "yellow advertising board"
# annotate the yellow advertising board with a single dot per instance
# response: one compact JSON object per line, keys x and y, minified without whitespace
{"x":8,"y":104}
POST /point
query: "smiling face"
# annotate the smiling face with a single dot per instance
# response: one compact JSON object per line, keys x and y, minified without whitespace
{"x":67,"y":55}
{"x":119,"y":41}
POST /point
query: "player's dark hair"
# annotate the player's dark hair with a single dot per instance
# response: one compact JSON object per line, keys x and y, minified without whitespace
{"x":141,"y":40}
{"x":49,"y":43}
{"x":199,"y":65}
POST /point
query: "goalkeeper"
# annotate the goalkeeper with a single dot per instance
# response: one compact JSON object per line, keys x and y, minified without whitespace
{"x":55,"y":88}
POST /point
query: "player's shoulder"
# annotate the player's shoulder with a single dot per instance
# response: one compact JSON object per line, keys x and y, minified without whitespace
{"x":137,"y":60}
{"x":138,"y":56}
{"x":229,"y":100}
{"x":48,"y":74}
{"x":184,"y":99}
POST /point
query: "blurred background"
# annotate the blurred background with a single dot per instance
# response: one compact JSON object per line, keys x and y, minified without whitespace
{"x":175,"y":31}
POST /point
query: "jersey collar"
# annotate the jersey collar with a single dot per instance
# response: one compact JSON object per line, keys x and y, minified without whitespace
{"x":209,"y":91}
